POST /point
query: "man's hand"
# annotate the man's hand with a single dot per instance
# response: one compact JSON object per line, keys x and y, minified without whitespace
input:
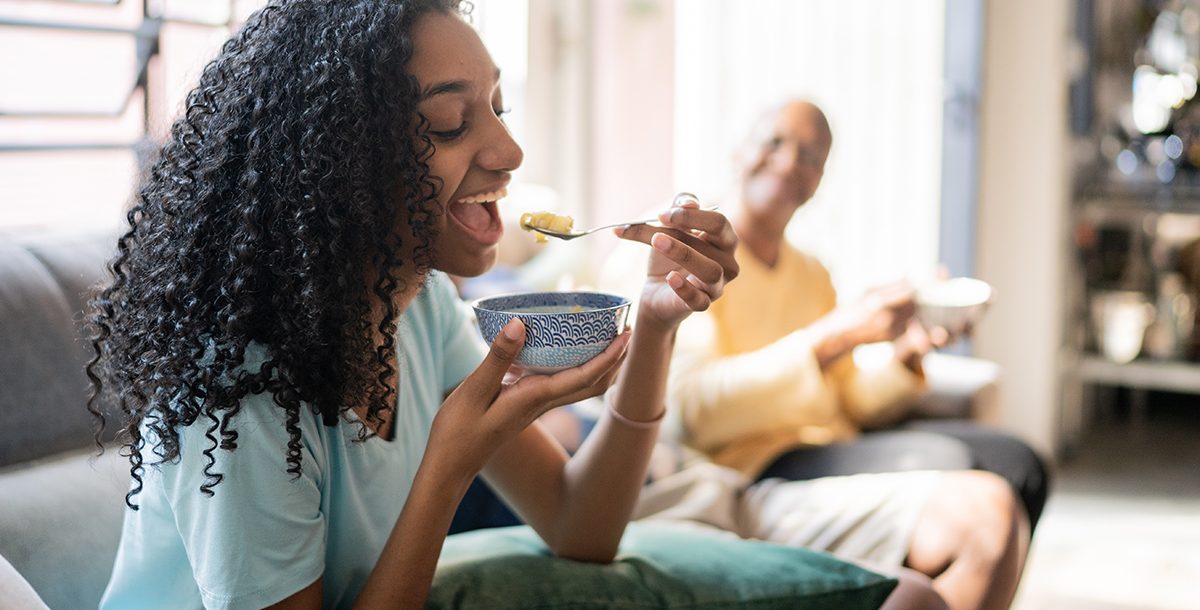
{"x":882,"y":314}
{"x":911,"y":347}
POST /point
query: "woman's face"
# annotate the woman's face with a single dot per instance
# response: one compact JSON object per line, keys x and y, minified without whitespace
{"x":474,"y":153}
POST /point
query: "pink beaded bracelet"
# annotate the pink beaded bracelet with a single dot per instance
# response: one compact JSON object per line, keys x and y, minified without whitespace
{"x":642,"y":425}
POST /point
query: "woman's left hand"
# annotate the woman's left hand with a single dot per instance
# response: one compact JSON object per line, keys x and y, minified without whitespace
{"x":690,"y":263}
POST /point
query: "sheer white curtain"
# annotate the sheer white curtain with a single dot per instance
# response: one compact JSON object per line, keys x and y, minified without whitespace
{"x":875,"y":67}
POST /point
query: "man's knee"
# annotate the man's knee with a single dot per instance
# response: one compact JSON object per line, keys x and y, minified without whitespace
{"x":995,"y":513}
{"x":914,"y":591}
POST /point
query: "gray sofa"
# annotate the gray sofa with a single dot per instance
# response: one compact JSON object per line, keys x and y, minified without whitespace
{"x":60,"y":505}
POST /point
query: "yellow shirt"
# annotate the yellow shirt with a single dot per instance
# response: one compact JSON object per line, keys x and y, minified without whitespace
{"x":745,"y":386}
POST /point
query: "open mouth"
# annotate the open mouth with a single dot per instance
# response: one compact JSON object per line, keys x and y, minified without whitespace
{"x":479,"y":215}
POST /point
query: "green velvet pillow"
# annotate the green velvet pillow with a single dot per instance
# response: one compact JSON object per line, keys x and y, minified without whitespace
{"x":658,"y":566}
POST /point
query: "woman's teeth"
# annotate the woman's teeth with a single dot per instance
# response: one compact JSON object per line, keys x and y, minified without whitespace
{"x":485,"y":197}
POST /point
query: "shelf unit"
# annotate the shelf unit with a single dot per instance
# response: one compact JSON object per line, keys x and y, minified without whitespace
{"x":1138,"y":206}
{"x":1166,"y":375}
{"x":1120,"y":213}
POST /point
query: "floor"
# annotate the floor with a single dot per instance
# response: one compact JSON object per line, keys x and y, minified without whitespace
{"x":1121,"y":530}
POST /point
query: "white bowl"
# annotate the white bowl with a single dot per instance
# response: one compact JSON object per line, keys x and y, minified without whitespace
{"x":954,"y":304}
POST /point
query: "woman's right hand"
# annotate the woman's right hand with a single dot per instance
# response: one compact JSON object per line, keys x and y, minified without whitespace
{"x":494,"y":404}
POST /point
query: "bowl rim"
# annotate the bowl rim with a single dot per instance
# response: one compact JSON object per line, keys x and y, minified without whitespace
{"x":477,"y":304}
{"x":987,"y":291}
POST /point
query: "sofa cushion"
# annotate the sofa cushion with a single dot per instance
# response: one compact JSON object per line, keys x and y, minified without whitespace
{"x":660,"y":565}
{"x":60,"y":522}
{"x":43,"y":389}
{"x":77,"y":261}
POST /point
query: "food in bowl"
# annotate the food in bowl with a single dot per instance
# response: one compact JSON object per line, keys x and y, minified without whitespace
{"x":562,"y":329}
{"x":954,"y":304}
{"x":546,"y":220}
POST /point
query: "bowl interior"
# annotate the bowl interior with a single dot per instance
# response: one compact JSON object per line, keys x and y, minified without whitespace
{"x":955,"y":304}
{"x":955,"y":292}
{"x":550,"y":303}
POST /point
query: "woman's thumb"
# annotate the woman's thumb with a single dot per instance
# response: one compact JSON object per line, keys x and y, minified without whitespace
{"x":505,"y":348}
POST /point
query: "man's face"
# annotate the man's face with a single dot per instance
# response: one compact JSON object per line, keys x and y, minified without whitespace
{"x":784,"y":160}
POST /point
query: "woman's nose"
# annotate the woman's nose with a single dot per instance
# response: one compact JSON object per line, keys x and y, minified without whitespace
{"x":501,"y":153}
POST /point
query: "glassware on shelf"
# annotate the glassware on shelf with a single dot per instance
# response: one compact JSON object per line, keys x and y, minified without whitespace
{"x":1170,"y":336}
{"x":1120,"y":318}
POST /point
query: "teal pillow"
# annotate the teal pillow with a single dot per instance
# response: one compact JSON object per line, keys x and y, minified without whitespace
{"x":658,"y":566}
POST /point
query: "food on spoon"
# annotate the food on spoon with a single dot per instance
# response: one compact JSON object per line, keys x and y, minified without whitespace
{"x":546,"y":220}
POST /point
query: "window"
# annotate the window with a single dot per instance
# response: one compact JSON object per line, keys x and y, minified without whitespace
{"x":85,"y":82}
{"x":875,"y":68}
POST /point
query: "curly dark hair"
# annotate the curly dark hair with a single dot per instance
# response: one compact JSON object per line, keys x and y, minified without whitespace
{"x":269,"y":218}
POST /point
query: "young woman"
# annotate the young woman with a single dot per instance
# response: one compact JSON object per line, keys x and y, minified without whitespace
{"x":304,"y":399}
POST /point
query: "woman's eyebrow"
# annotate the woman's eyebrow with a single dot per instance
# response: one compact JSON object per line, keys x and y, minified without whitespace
{"x":451,"y":86}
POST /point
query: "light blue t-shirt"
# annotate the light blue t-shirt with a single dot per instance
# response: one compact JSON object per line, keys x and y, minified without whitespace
{"x":265,"y":535}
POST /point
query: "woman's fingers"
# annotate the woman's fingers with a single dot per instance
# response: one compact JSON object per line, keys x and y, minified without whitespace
{"x":697,"y":295}
{"x":483,"y":384}
{"x":714,"y":226}
{"x":588,"y":374}
{"x":645,"y":233}
{"x":535,"y":394}
{"x":707,"y":232}
{"x":689,"y":257}
{"x":598,"y":387}
{"x":682,"y":247}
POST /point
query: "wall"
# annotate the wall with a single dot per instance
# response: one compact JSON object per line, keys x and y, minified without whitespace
{"x":1024,"y":180}
{"x":633,"y":82}
{"x":875,"y":67}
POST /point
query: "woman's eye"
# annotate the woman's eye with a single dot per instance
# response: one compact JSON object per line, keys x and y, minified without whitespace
{"x":450,"y":134}
{"x":500,"y":112}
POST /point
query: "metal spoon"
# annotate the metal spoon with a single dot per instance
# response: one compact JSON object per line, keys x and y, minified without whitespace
{"x":574,"y":233}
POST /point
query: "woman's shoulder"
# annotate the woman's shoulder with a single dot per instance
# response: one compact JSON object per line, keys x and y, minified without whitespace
{"x":255,"y":408}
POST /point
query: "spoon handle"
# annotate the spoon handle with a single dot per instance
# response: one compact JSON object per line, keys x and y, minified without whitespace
{"x":647,"y":221}
{"x":575,"y":234}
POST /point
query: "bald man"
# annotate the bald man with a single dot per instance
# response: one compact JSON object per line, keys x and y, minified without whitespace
{"x":764,"y":385}
{"x":786,"y":323}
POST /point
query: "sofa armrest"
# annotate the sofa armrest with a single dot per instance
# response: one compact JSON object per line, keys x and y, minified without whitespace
{"x":15,"y":591}
{"x":61,"y":523}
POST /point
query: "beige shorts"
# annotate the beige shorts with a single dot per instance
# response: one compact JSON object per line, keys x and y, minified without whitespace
{"x":868,"y":518}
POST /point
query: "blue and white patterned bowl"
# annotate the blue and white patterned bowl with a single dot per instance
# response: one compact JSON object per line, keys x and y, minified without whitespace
{"x":562,"y":329}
